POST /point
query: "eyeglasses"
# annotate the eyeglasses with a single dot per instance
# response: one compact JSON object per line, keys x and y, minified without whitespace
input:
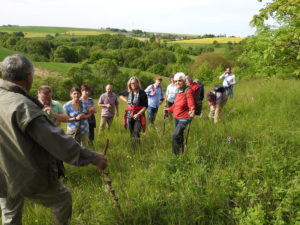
{"x":178,"y":81}
{"x":133,"y":83}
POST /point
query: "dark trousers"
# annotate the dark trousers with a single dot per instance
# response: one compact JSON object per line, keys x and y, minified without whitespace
{"x":91,"y":133}
{"x":177,"y":137}
{"x":134,"y":127}
{"x":151,"y":114}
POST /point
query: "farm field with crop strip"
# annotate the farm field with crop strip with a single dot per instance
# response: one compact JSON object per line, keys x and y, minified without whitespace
{"x":209,"y":40}
{"x":32,"y":31}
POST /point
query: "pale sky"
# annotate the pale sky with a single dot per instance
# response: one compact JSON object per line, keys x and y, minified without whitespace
{"x":230,"y":17}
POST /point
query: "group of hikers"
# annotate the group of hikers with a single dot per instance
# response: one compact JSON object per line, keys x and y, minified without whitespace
{"x":33,"y":147}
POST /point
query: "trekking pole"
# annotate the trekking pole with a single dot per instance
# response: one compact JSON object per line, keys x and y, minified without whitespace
{"x":187,"y":135}
{"x":165,"y":116}
{"x":164,"y":124}
{"x":109,"y":187}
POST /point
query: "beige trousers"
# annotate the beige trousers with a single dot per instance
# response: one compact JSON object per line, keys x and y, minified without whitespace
{"x":105,"y":120}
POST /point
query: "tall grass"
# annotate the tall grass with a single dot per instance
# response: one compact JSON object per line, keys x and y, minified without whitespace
{"x":255,"y":180}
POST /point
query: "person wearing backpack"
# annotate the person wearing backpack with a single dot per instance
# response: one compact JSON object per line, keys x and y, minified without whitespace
{"x":201,"y":88}
{"x":196,"y":93}
{"x":155,"y":99}
{"x":229,"y":81}
{"x":216,"y":99}
{"x":183,"y":110}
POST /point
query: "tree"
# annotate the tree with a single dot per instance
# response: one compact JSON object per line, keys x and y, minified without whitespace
{"x":65,"y":54}
{"x":275,"y":50}
{"x":107,"y":71}
{"x":80,"y":75}
{"x":216,"y":44}
{"x":204,"y":73}
{"x":213,"y":59}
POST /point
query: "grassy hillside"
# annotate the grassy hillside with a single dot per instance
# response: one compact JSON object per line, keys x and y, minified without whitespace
{"x":255,"y":180}
{"x":5,"y":52}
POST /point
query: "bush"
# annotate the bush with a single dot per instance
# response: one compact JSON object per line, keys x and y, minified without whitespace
{"x":213,"y":59}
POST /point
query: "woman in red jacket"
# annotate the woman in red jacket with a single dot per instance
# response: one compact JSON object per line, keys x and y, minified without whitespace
{"x":183,"y":110}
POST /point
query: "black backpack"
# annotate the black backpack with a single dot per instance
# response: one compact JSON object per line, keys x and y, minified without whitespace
{"x":219,"y":88}
{"x":198,"y":102}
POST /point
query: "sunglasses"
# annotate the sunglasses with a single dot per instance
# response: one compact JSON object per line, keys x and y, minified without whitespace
{"x":178,"y":81}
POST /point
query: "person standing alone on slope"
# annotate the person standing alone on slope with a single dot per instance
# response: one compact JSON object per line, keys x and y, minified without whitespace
{"x":229,"y":81}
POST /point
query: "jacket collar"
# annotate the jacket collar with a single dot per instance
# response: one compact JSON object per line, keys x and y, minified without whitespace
{"x":12,"y":87}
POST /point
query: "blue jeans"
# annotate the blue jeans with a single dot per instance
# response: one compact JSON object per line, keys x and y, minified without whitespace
{"x":151,"y":114}
{"x":177,"y":137}
{"x":229,"y":91}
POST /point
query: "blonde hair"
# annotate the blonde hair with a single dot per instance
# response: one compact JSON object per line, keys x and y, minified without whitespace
{"x":133,"y":78}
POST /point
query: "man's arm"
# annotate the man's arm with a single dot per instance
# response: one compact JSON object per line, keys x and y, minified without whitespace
{"x":101,"y":103}
{"x":190,"y":102}
{"x":61,"y":116}
{"x":222,"y":76}
{"x":117,"y":109}
{"x":123,"y":98}
{"x":167,"y":94}
{"x":62,"y":146}
{"x":148,"y":90}
{"x":232,"y":80}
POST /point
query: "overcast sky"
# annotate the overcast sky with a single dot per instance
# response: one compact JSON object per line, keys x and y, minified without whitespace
{"x":230,"y":17}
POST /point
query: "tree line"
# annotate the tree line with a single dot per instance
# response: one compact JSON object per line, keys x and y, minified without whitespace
{"x":272,"y":51}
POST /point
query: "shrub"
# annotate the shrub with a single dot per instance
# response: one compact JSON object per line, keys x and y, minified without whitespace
{"x":213,"y":59}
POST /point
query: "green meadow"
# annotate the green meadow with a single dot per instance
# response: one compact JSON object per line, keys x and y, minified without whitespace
{"x":252,"y":180}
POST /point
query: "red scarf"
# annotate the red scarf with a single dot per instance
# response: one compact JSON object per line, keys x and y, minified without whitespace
{"x":134,"y":110}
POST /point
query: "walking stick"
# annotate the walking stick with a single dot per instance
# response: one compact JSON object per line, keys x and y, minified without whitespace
{"x":187,"y":135}
{"x":164,"y":124}
{"x":109,"y":187}
{"x":166,"y":114}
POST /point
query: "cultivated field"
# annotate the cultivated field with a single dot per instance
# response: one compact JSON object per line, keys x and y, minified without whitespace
{"x":34,"y":32}
{"x":209,"y":40}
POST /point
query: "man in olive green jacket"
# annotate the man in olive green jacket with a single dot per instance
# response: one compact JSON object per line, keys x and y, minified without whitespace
{"x":31,"y":147}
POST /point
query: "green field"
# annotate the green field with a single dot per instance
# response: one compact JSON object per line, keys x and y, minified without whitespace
{"x":255,"y":180}
{"x":45,"y":66}
{"x":35,"y":31}
{"x":55,"y":67}
{"x":5,"y":52}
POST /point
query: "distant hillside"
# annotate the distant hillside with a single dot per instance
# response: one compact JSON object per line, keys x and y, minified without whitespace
{"x":221,"y":40}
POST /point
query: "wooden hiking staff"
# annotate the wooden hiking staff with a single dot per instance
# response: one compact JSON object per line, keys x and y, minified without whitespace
{"x":109,"y":187}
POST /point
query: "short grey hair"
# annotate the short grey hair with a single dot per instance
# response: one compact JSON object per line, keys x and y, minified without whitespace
{"x":189,"y":78}
{"x":108,"y":85}
{"x":179,"y":75}
{"x":16,"y":68}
